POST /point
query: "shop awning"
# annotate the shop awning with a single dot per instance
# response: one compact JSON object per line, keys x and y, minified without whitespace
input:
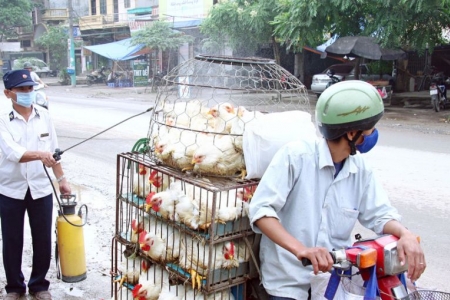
{"x":120,"y":50}
{"x":140,"y":10}
{"x":186,"y":24}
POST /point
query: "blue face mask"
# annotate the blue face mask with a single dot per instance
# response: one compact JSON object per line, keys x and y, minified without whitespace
{"x":25,"y":99}
{"x":369,"y":142}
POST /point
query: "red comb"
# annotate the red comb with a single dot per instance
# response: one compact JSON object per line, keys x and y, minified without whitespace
{"x":136,"y":289}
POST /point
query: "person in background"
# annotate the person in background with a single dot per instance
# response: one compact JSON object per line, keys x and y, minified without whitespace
{"x":34,"y":76}
{"x":27,"y":142}
{"x":312,"y":194}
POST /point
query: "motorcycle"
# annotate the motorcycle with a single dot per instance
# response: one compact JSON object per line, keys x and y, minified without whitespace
{"x":97,"y":76}
{"x":334,"y":79}
{"x":379,"y":266}
{"x":156,"y":80}
{"x":438,"y":92}
{"x":41,"y":97}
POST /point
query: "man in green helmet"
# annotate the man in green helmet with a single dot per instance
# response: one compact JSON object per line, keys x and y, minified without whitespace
{"x":312,"y":194}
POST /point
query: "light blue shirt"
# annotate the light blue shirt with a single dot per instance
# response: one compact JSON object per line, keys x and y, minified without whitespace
{"x":299,"y":189}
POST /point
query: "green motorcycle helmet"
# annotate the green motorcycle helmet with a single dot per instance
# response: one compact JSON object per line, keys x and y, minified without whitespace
{"x":346,"y":106}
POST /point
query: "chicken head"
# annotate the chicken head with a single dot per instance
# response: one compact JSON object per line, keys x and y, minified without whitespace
{"x":148,"y":200}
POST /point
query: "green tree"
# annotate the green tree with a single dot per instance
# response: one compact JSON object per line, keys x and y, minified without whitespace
{"x":241,"y":25}
{"x":55,"y":42}
{"x":402,"y":23}
{"x":14,"y":14}
{"x":160,"y":36}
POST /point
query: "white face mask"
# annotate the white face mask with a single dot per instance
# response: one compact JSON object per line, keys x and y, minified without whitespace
{"x":25,"y":99}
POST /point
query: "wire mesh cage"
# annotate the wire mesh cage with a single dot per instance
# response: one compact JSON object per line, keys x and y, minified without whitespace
{"x":137,"y":278}
{"x":427,"y":295}
{"x":206,"y":105}
{"x":193,"y":229}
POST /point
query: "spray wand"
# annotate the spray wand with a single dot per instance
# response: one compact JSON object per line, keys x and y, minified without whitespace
{"x":57,"y":157}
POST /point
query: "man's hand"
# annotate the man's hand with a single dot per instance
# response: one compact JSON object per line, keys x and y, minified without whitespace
{"x":64,"y":187}
{"x":408,"y":248}
{"x":47,"y":159}
{"x":320,"y":258}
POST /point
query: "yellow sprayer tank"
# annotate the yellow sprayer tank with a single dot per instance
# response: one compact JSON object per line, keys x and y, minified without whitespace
{"x":70,"y":243}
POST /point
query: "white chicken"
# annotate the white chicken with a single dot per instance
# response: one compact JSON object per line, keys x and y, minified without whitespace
{"x":230,"y":213}
{"x":234,"y":209}
{"x":173,"y":292}
{"x":177,"y":148}
{"x":151,"y":283}
{"x":161,"y":244}
{"x":131,"y":268}
{"x":239,"y":208}
{"x":224,"y":114}
{"x":219,"y":158}
{"x":141,"y":185}
{"x":194,"y":258}
{"x":137,"y":226}
{"x":163,"y":144}
{"x":191,"y":114}
{"x":184,"y":148}
{"x":164,"y":202}
{"x":246,"y":194}
{"x":195,"y":206}
{"x":159,"y":180}
{"x":187,"y":211}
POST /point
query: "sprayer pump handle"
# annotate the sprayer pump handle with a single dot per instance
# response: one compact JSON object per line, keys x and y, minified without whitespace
{"x":68,"y":196}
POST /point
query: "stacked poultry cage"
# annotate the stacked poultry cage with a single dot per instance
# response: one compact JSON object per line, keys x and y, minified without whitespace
{"x":182,"y":227}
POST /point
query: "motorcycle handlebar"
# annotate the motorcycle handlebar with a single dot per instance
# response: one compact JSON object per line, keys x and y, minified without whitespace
{"x":336,"y":255}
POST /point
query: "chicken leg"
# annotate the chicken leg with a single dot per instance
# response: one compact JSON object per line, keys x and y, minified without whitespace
{"x":196,"y":279}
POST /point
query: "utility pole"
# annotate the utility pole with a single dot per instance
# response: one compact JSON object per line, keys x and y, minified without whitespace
{"x":73,"y":76}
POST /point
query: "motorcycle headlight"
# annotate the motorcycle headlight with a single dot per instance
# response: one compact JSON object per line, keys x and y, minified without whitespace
{"x":392,"y":264}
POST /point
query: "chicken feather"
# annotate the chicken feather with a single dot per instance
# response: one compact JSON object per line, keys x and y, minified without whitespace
{"x":218,"y":158}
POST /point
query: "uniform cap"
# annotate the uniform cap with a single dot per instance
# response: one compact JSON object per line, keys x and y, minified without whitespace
{"x":17,"y":78}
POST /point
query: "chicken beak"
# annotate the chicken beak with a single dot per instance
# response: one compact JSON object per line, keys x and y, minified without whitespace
{"x":193,"y":161}
{"x":232,"y":110}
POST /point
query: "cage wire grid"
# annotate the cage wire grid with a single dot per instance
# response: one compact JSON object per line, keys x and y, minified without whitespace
{"x":206,"y":246}
{"x":210,"y":101}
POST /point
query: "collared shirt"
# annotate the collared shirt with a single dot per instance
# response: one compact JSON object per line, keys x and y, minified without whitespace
{"x":299,"y":189}
{"x":17,"y":136}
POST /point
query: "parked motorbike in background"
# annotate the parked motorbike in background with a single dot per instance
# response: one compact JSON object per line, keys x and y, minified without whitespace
{"x":438,"y":93}
{"x":41,"y":97}
{"x":157,"y":79}
{"x":333,"y":78}
{"x":97,"y":76}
